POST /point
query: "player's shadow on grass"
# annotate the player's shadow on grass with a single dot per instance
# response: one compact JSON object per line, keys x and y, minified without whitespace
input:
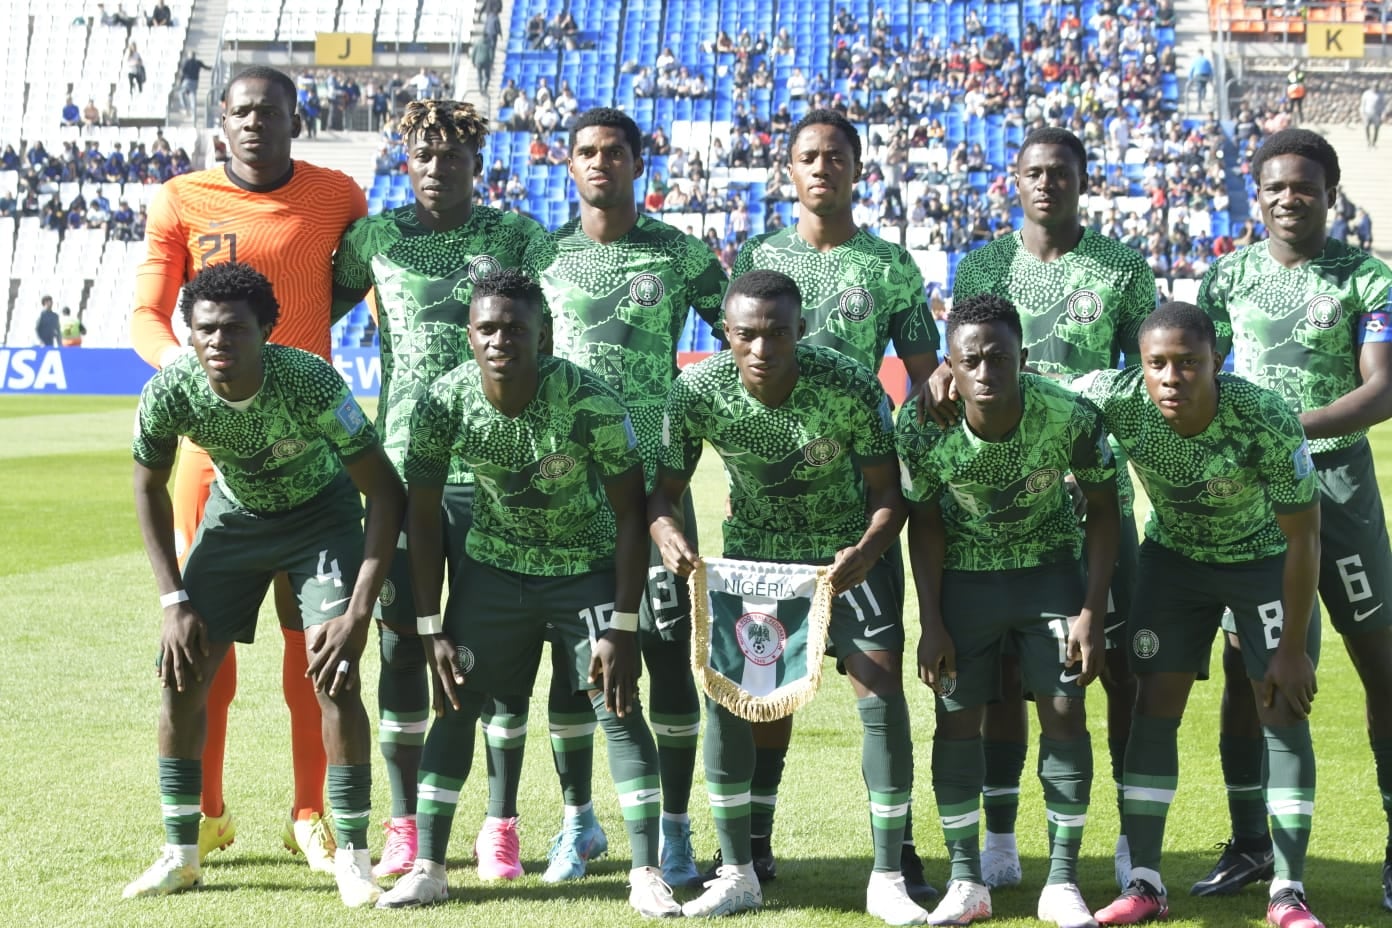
{"x":1341,"y":892}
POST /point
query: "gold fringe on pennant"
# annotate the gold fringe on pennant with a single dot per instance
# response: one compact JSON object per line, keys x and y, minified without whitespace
{"x":728,"y":693}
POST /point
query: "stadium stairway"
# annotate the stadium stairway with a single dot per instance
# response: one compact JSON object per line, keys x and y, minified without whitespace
{"x":1364,"y":179}
{"x":1191,"y":35}
{"x":205,"y":27}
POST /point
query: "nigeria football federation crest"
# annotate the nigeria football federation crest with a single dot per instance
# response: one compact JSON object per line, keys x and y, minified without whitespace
{"x":288,"y":448}
{"x":646,"y":290}
{"x":1084,"y":307}
{"x":820,"y":452}
{"x":1223,"y":487}
{"x":464,"y":659}
{"x":761,"y":637}
{"x":555,"y":466}
{"x":856,"y":304}
{"x":1324,"y":311}
{"x":1041,"y":480}
{"x":1145,"y":643}
{"x":483,"y":266}
{"x":388,"y":594}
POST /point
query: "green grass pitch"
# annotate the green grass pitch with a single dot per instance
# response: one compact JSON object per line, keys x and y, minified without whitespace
{"x":79,"y":813}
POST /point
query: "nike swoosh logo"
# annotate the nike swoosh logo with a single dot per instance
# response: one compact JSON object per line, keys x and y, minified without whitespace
{"x":223,"y":829}
{"x":647,"y":795}
{"x":214,"y":223}
{"x":872,"y":632}
{"x":1069,"y":677}
{"x":1360,"y":616}
{"x":326,"y":605}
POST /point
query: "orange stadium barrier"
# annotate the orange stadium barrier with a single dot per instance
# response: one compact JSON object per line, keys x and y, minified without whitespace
{"x":1276,"y":19}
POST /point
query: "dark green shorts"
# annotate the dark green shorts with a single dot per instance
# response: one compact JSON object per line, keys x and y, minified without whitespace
{"x":395,"y":604}
{"x":498,"y":621}
{"x":1027,"y":609}
{"x":235,"y":554}
{"x":869,"y":617}
{"x":1179,"y":606}
{"x":1355,"y":558}
{"x":1120,"y":595}
{"x":665,"y":610}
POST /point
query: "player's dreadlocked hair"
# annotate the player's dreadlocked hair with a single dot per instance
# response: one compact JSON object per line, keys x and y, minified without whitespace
{"x":826,"y":117}
{"x":513,"y":284}
{"x":1183,"y":316}
{"x":228,"y":283}
{"x":983,"y":308}
{"x":765,"y":284}
{"x":455,"y":121}
{"x":1300,"y":142}
{"x":1053,"y":135}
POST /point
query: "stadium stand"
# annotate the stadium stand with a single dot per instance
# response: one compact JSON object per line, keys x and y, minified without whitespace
{"x":943,"y":93}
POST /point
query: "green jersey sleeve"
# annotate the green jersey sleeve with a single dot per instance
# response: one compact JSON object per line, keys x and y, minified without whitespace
{"x":1092,"y":462}
{"x":435,"y":423}
{"x":352,"y":269}
{"x":1212,"y":299}
{"x":1285,"y":465}
{"x":613,"y":442}
{"x":681,"y":446}
{"x":912,"y":328}
{"x":156,"y":429}
{"x":705,"y":279}
{"x":920,"y":480}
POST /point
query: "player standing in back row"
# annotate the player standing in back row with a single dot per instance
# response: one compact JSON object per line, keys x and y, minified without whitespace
{"x":1081,"y":298}
{"x":619,"y":286}
{"x":424,"y":260}
{"x":1309,"y":317}
{"x":860,"y":294}
{"x":284,"y":218}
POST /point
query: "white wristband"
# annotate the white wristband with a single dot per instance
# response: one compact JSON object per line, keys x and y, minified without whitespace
{"x":430,"y":624}
{"x":173,"y":599}
{"x":623,"y":621}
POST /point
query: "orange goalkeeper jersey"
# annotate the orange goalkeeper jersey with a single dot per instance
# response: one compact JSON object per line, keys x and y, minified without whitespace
{"x":288,"y":233}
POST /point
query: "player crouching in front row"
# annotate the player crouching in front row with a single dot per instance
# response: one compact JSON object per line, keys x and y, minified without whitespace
{"x":806,"y":438}
{"x":282,"y":428}
{"x":557,"y":541}
{"x":995,"y":544}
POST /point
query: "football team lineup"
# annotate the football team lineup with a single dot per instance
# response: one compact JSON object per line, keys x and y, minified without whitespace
{"x":557,"y":485}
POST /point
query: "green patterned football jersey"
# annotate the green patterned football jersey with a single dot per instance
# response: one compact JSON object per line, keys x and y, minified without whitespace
{"x":794,"y":472}
{"x":539,"y":506}
{"x":1214,"y":497}
{"x":1079,"y":312}
{"x":423,"y":281}
{"x":1298,"y":330}
{"x":619,"y":309}
{"x":856,"y":298}
{"x":1004,"y":503}
{"x":279,"y":452}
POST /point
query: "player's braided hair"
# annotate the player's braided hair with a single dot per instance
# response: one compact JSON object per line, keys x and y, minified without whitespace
{"x":1300,"y":142}
{"x":1183,"y":316}
{"x":455,"y":121}
{"x":981,"y":308}
{"x":228,"y":283}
